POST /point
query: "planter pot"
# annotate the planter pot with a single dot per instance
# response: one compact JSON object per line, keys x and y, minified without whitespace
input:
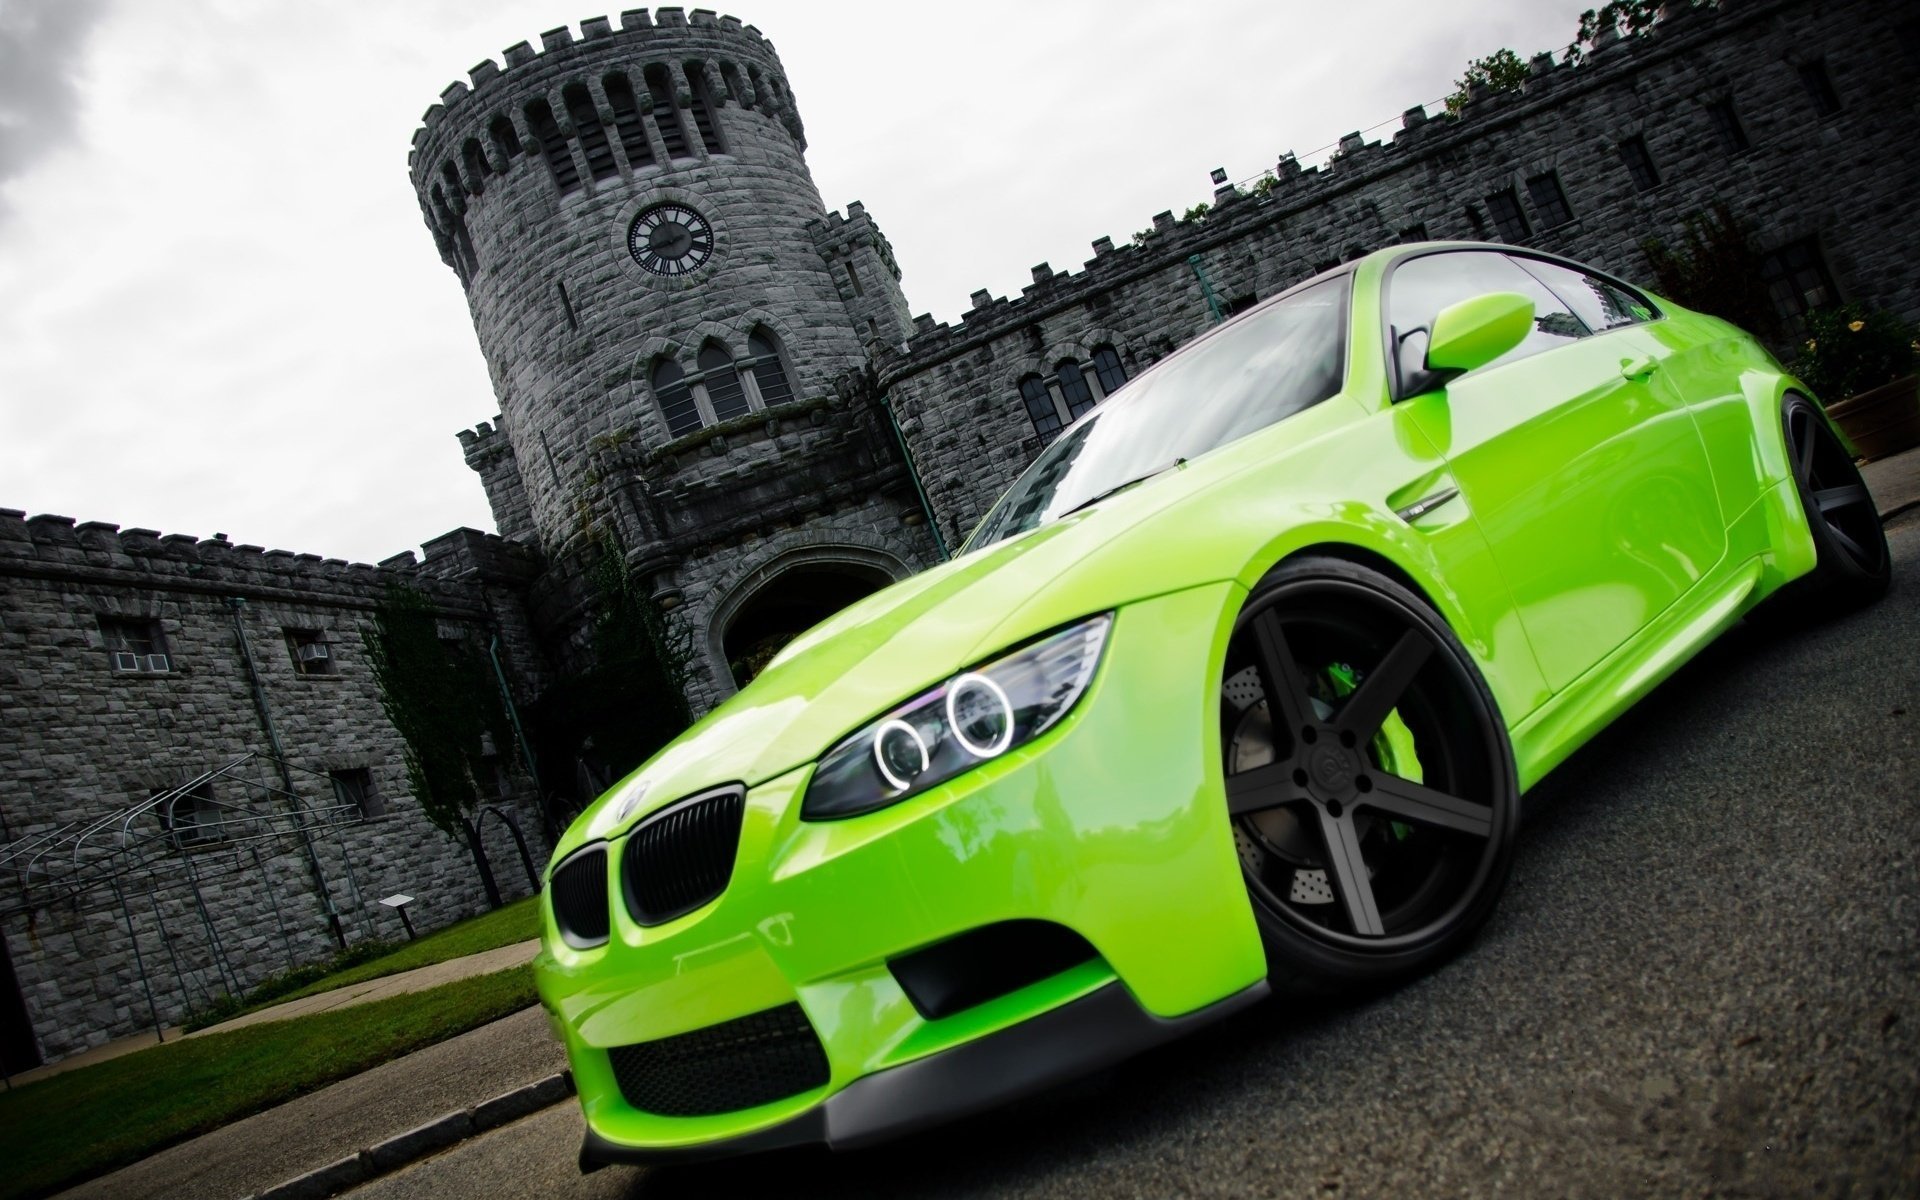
{"x":1882,"y":421}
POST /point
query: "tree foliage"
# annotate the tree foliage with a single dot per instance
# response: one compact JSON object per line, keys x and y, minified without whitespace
{"x":1716,"y":269}
{"x":442,"y":697}
{"x":1502,"y":71}
{"x":1628,"y":18}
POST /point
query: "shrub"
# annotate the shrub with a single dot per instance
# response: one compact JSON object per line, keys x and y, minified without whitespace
{"x":1850,"y":349}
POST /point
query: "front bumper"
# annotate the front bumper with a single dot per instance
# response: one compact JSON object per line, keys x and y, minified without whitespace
{"x":1110,"y":825}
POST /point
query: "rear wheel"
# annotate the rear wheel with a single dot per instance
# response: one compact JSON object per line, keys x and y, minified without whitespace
{"x":1854,"y":566}
{"x":1369,"y":778}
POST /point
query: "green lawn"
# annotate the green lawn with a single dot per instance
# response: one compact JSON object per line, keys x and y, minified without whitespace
{"x":510,"y":923}
{"x":85,"y":1122}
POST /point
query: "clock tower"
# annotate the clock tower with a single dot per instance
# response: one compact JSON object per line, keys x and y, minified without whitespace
{"x":676,"y":330}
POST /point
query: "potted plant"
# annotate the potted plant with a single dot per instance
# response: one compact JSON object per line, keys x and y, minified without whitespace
{"x":1861,"y":362}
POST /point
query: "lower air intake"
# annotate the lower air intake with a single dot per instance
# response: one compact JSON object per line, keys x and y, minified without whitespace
{"x":723,"y":1068}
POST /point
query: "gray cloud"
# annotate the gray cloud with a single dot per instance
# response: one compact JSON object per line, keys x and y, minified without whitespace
{"x":42,"y":43}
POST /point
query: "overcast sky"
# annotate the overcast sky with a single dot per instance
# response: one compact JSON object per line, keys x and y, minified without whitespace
{"x":220,"y":310}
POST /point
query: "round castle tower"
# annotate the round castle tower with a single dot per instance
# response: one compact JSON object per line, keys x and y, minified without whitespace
{"x":675,"y":328}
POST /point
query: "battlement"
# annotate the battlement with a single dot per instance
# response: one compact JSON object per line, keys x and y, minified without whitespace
{"x":669,"y":31}
{"x":48,"y":545}
{"x":1292,"y":188}
{"x":484,"y":441}
{"x":836,"y":234}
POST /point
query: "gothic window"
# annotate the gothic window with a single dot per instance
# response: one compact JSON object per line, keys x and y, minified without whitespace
{"x":675,"y":397}
{"x":1797,"y":279}
{"x":1107,"y":368}
{"x":134,"y":644}
{"x":768,"y":373}
{"x":626,"y":121}
{"x":1508,"y":218}
{"x":730,"y":75}
{"x":1040,"y":410}
{"x":666,"y":114}
{"x":1633,"y":151}
{"x":704,"y":118}
{"x":1549,"y":200}
{"x":592,"y":134}
{"x":505,"y":138}
{"x":476,"y":163}
{"x":1073,"y":388}
{"x":1819,"y":85}
{"x":725,"y":394}
{"x":566,"y":176}
{"x":1726,"y":127}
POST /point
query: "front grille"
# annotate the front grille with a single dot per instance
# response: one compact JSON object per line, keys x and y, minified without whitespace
{"x":723,"y":1068}
{"x":682,"y":856}
{"x":578,"y":889}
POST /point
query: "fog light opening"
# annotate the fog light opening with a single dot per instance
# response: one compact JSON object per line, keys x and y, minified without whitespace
{"x":980,"y":715}
{"x":900,"y":753}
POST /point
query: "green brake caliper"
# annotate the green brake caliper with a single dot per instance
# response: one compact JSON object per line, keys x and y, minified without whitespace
{"x":1392,"y":747}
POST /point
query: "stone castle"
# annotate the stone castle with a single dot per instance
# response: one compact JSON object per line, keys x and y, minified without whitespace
{"x":702,"y":369}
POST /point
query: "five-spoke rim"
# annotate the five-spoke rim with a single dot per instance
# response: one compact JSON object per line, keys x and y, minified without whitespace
{"x":1839,"y":498}
{"x":1401,"y":855}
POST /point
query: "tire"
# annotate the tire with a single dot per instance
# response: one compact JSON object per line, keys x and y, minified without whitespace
{"x":1369,"y":778}
{"x":1854,"y":566}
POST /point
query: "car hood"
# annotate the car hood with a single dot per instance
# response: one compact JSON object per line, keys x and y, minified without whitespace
{"x":882,"y":651}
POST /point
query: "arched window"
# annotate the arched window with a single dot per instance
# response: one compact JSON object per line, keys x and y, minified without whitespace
{"x":505,"y":138}
{"x":627,"y":122}
{"x":1040,"y":407}
{"x":704,"y":118}
{"x":730,"y":75}
{"x":1107,"y":368}
{"x":1073,"y":388}
{"x":675,"y":398}
{"x":724,"y":392}
{"x":476,"y":163}
{"x":769,"y":374}
{"x":592,"y":134}
{"x":559,"y":156}
{"x":666,"y":115}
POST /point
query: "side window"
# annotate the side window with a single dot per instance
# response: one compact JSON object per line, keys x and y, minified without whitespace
{"x":1600,"y":304}
{"x":1421,"y":287}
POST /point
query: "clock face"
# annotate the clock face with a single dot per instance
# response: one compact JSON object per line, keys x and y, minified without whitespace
{"x":670,"y":239}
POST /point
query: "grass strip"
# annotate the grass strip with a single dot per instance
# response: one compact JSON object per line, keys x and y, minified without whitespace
{"x":510,"y":923}
{"x":69,"y":1127}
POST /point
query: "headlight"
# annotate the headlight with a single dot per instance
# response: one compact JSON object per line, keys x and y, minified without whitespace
{"x":978,"y":714}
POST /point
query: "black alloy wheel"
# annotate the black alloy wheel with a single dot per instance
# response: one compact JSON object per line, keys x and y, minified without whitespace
{"x":1369,"y":778}
{"x":1854,"y":565}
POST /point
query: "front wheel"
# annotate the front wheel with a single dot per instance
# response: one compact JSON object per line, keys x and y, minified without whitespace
{"x":1369,"y":777}
{"x":1854,"y":566}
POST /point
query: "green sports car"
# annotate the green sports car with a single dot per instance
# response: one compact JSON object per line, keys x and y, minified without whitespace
{"x":1236,"y":689}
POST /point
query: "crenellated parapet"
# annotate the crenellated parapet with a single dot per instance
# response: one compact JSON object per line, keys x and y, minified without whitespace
{"x":866,"y":272}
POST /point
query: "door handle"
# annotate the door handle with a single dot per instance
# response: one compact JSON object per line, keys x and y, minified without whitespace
{"x":1639,"y":368}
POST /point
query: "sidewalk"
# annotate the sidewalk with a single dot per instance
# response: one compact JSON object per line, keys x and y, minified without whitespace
{"x":419,"y":979}
{"x":1894,"y":482}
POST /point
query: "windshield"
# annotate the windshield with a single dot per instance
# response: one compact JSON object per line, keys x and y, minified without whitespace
{"x":1266,"y":366}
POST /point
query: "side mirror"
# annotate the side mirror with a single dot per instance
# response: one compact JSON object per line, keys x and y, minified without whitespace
{"x":1474,"y":332}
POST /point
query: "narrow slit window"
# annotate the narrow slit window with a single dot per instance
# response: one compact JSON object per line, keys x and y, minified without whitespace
{"x":705,"y":119}
{"x":666,"y":114}
{"x":853,"y":277}
{"x":1639,"y":162}
{"x":675,"y":397}
{"x":559,"y":156}
{"x":566,"y":305}
{"x":768,"y":374}
{"x":724,"y":392}
{"x":627,"y":124}
{"x":592,"y":134}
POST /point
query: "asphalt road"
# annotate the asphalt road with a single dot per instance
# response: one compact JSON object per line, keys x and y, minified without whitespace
{"x":1704,"y":980}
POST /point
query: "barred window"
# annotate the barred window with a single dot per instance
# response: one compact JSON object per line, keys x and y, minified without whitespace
{"x":666,"y":114}
{"x":1633,"y":151}
{"x":1509,"y":219}
{"x":1549,"y":200}
{"x":724,"y":391}
{"x":1108,"y":369}
{"x":1040,"y":409}
{"x":675,"y":397}
{"x":626,"y":121}
{"x":768,"y":372}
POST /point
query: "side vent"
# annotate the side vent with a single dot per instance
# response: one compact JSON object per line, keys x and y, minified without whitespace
{"x":682,"y":856}
{"x":578,"y":892}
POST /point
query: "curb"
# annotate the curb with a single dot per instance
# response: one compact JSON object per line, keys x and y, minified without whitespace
{"x":403,"y":1149}
{"x":1902,"y":507}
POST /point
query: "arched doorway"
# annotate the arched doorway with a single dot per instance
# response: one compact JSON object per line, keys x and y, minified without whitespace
{"x":787,"y":603}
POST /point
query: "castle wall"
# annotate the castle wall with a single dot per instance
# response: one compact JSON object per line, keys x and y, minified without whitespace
{"x":1840,"y":182}
{"x":83,"y":738}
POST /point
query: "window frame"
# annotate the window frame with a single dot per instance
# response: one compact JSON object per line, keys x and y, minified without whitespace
{"x":298,"y":637}
{"x":155,"y":639}
{"x":1557,"y":196}
{"x":1639,"y":142}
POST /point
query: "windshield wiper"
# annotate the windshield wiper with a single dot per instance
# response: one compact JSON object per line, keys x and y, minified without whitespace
{"x":1123,"y":486}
